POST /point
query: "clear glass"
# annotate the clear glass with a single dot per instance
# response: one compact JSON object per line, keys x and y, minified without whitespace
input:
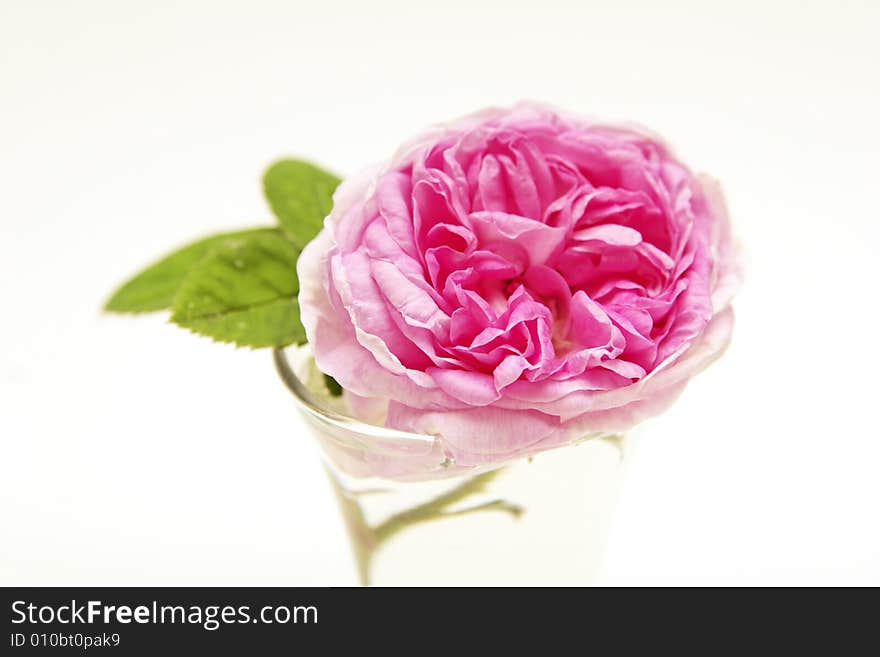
{"x":415,"y":518}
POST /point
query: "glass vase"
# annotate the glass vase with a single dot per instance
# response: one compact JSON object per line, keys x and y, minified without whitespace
{"x":417,"y":519}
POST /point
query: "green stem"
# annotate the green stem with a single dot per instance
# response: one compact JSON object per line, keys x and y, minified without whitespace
{"x":367,"y":540}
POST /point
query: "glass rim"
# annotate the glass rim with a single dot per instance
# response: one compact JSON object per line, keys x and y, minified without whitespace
{"x":311,"y":405}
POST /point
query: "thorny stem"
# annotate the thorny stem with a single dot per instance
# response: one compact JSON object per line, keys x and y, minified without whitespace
{"x":367,"y":540}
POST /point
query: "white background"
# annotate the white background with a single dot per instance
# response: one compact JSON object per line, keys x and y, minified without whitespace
{"x":136,"y":453}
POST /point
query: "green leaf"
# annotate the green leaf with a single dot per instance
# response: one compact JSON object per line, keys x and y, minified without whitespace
{"x":154,"y":288}
{"x":301,"y":195}
{"x":333,"y":386}
{"x":244,"y":291}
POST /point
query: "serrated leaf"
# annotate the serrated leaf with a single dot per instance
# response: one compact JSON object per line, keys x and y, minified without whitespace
{"x":244,"y":291}
{"x":154,"y":288}
{"x":301,"y":195}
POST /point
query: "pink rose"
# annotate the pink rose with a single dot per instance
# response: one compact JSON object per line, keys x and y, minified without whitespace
{"x":518,"y":279}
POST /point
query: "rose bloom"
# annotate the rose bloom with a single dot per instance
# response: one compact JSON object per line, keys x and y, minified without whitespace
{"x":517,"y":280}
